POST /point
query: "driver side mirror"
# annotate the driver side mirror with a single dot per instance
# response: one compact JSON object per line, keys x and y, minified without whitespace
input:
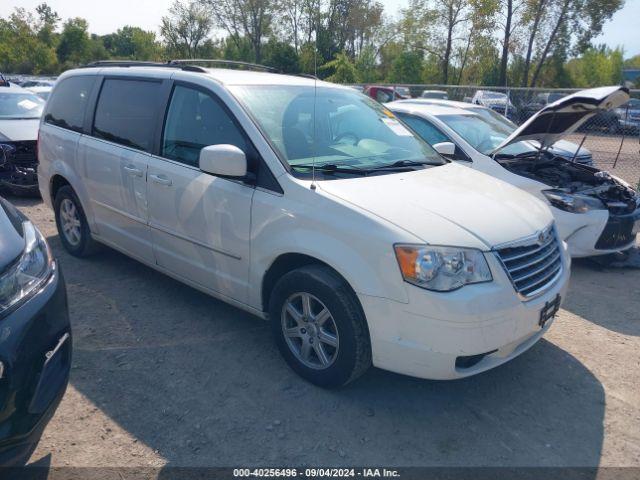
{"x":446,"y":149}
{"x":224,"y":161}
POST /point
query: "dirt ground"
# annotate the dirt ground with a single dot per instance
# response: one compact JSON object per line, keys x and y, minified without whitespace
{"x":164,"y":375}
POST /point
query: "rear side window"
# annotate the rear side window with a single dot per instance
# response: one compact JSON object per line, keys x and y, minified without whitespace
{"x":126,"y":112}
{"x":67,"y":106}
{"x":196,"y":120}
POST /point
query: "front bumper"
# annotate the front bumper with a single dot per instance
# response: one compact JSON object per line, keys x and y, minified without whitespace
{"x":597,"y":232}
{"x":430,"y":335}
{"x":619,"y":233}
{"x":36,"y":355}
{"x":19,"y":167}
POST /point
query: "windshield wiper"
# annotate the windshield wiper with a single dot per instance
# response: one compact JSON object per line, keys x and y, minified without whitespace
{"x":517,"y":155}
{"x":333,"y":168}
{"x":415,"y":163}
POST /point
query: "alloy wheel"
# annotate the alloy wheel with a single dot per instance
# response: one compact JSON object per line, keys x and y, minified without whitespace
{"x":310,"y":331}
{"x":70,"y":222}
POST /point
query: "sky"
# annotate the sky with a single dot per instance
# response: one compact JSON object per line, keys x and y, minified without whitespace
{"x":106,"y":16}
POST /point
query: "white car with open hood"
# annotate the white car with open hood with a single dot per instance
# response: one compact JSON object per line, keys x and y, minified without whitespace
{"x":307,"y":204}
{"x":595,"y":212}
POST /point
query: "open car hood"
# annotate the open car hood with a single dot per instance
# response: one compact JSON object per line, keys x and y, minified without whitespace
{"x":564,"y":116}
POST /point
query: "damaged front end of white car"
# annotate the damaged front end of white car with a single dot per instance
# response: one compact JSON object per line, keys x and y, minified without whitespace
{"x":573,"y":187}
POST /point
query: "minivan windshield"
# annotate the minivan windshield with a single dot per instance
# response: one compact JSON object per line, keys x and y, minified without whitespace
{"x":485,"y":134}
{"x":20,"y":106}
{"x":333,"y":129}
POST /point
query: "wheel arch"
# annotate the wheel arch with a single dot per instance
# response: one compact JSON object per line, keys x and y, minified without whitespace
{"x":286,"y":263}
{"x":56,"y":183}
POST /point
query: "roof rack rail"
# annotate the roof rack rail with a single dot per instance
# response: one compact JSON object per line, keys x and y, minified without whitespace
{"x":188,"y":64}
{"x":304,"y":75}
{"x":214,"y":61}
{"x":138,"y":63}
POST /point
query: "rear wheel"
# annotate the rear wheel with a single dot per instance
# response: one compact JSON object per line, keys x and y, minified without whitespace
{"x":72,"y":224}
{"x":319,"y":326}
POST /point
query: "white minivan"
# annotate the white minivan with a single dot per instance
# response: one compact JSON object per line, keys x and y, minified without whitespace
{"x":307,"y":204}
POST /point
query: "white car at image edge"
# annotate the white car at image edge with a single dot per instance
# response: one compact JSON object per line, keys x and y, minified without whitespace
{"x":360,"y":244}
{"x":562,"y":148}
{"x":596,"y":213}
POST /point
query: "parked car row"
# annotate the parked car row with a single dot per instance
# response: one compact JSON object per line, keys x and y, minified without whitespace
{"x":259,"y":189}
{"x":625,"y":119}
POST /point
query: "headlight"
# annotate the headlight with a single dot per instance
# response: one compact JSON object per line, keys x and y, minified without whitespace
{"x":25,"y":276}
{"x":442,"y":269}
{"x":573,"y":203}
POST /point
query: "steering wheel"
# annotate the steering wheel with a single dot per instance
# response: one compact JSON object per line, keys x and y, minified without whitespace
{"x":346,"y":135}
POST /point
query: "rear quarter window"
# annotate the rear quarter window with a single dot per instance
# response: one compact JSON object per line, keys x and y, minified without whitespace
{"x":127,"y":111}
{"x":67,"y":106}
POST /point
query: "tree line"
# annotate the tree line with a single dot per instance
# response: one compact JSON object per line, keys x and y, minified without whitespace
{"x":489,"y":42}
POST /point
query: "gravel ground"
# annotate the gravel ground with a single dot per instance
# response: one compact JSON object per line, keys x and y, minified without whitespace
{"x":166,"y":376}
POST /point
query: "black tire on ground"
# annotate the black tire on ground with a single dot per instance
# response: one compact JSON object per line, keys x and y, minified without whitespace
{"x":353,"y":357}
{"x":87,"y":245}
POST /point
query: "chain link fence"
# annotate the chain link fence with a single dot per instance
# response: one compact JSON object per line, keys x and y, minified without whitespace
{"x":613,"y":137}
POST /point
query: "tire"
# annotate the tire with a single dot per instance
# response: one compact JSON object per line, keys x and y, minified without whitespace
{"x":325,"y":289}
{"x":78,"y":247}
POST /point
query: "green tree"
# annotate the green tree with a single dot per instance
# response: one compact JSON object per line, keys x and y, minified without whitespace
{"x":48,"y":22}
{"x":21,"y":51}
{"x":342,"y":69}
{"x":250,"y":19}
{"x":133,"y":43}
{"x":633,"y":62}
{"x":366,"y":65}
{"x":75,"y":44}
{"x":307,"y":59}
{"x":282,"y":56}
{"x":407,"y":68}
{"x":185,"y":28}
{"x":596,"y":67}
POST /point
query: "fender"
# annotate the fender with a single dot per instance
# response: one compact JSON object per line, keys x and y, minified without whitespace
{"x":359,"y":258}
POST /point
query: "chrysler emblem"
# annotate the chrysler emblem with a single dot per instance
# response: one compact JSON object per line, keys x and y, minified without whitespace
{"x":543,"y":237}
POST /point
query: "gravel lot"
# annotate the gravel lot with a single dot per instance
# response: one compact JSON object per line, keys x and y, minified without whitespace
{"x":164,"y":375}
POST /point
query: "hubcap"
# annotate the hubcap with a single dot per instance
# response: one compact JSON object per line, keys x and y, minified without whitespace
{"x":310,"y":330}
{"x":70,"y":222}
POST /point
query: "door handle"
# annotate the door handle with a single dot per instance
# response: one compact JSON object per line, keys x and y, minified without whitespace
{"x":133,"y":171}
{"x":161,"y":179}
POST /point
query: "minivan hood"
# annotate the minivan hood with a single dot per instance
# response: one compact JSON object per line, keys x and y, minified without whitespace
{"x":565,"y":115}
{"x":447,"y":205}
{"x":19,"y":130}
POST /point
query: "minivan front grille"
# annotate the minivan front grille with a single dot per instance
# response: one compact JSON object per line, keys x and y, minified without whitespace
{"x":533,"y":266}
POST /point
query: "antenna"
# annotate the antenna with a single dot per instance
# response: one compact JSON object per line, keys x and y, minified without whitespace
{"x":315,"y":101}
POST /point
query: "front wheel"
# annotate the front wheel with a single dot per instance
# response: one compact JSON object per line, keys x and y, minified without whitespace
{"x":319,"y":326}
